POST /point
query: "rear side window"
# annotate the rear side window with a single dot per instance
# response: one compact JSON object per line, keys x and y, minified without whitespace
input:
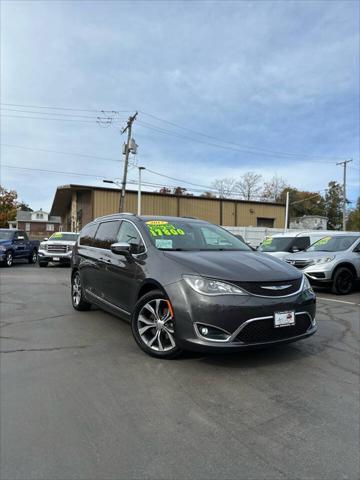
{"x":301,"y":243}
{"x":87,"y":235}
{"x":106,"y":234}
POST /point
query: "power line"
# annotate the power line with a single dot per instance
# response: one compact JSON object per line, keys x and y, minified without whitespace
{"x":60,"y":108}
{"x":22,"y":147}
{"x":236,"y":147}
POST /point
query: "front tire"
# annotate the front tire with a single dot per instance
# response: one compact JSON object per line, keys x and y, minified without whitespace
{"x":9,"y":259}
{"x":343,"y":281}
{"x":77,"y":294}
{"x":33,"y":257}
{"x":153,"y":326}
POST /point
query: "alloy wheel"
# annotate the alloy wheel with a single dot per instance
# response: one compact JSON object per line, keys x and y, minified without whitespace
{"x":9,"y":259}
{"x":344,"y":282}
{"x":155,"y":324}
{"x":76,"y":290}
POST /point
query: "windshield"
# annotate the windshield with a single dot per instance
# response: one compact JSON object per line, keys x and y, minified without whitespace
{"x":277,"y":244}
{"x":67,"y":237}
{"x":182,"y":235}
{"x":336,"y":243}
{"x":6,"y":234}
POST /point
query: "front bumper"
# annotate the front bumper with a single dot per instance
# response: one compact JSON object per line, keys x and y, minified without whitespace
{"x":247,"y":320}
{"x":45,"y":256}
{"x":320,"y":273}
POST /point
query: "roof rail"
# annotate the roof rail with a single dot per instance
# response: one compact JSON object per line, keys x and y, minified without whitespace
{"x":112,"y":215}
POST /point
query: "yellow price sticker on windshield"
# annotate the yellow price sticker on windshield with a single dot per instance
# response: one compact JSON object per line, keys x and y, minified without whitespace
{"x":57,"y":235}
{"x":323,"y":241}
{"x":267,"y":241}
{"x":156,"y":222}
{"x":165,"y":230}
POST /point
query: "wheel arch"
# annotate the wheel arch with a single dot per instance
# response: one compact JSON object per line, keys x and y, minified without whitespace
{"x":147,"y":286}
{"x":348,"y":265}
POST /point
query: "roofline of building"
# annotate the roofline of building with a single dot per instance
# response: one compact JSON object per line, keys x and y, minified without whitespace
{"x":109,"y":189}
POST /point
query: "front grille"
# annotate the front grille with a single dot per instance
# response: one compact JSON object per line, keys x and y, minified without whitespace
{"x":261,"y":331}
{"x":271,"y":289}
{"x":300,"y":264}
{"x":57,"y":248}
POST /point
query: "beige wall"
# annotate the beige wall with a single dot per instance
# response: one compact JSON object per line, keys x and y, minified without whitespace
{"x":106,"y":202}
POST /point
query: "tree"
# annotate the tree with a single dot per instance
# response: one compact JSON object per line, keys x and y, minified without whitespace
{"x":8,"y":206}
{"x":353,"y":221}
{"x":225,"y":186}
{"x":208,"y":195}
{"x":334,"y":199}
{"x":249,"y":185}
{"x":302,"y":202}
{"x":179,"y":191}
{"x":24,"y":207}
{"x":273,"y":188}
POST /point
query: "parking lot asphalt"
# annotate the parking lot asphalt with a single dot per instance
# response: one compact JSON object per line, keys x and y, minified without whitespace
{"x":79,"y":400}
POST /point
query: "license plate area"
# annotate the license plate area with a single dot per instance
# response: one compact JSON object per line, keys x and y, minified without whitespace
{"x":284,"y":319}
{"x":56,"y":259}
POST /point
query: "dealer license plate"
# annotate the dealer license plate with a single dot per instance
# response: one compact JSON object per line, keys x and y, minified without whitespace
{"x":284,"y":319}
{"x":56,"y":259}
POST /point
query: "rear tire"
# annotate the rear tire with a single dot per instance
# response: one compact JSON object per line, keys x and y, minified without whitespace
{"x":343,"y":281}
{"x":77,"y":294}
{"x":33,"y":257}
{"x":153,"y":326}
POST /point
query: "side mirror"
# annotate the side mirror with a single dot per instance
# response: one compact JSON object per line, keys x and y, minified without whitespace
{"x":20,"y":237}
{"x":46,"y":239}
{"x":295,"y":249}
{"x":120,"y":248}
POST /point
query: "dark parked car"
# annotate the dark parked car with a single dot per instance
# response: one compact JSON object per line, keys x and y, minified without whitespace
{"x":15,"y":244}
{"x":187,"y":284}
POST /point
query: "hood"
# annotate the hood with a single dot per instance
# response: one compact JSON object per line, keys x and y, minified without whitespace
{"x":280,"y":255}
{"x":4,"y":241}
{"x":309,"y":255}
{"x":235,"y":266}
{"x":60,"y":242}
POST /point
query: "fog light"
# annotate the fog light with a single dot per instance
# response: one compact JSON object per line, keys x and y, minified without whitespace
{"x":204,"y":331}
{"x":212,"y":333}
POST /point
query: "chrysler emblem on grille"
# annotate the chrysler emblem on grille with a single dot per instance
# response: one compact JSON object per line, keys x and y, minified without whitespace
{"x":277,"y":287}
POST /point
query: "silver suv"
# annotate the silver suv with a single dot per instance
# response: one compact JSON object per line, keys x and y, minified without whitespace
{"x":333,"y":260}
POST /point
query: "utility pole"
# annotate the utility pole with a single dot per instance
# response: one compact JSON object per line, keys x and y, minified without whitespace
{"x":126,"y":163}
{"x":345,"y":162}
{"x":286,"y":212}
{"x":139,"y":192}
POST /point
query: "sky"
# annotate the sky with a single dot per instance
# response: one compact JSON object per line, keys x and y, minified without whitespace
{"x":221,"y":88}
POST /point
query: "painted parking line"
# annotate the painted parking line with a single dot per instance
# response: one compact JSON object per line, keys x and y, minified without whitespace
{"x":338,"y":301}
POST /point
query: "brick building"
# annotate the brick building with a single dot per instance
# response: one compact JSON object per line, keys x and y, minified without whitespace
{"x":37,"y":225}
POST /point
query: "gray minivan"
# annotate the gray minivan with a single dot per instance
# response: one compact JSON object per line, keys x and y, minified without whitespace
{"x":187,"y":284}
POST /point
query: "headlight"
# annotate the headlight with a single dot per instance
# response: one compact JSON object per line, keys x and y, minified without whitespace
{"x":207,"y":286}
{"x":43,"y":246}
{"x":323,"y":260}
{"x":2,"y":248}
{"x":306,"y":285}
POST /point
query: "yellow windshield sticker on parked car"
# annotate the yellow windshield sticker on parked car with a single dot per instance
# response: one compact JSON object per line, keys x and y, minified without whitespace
{"x":164,"y":230}
{"x":156,"y":222}
{"x":267,"y":241}
{"x":323,"y":241}
{"x":57,"y":235}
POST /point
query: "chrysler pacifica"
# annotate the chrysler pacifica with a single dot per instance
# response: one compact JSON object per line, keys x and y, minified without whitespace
{"x":185,"y":284}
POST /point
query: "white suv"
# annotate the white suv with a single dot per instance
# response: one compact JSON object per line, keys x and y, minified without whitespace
{"x":57,"y":248}
{"x":334,"y":260}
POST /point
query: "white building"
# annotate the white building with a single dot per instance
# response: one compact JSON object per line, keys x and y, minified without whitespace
{"x":309,"y":222}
